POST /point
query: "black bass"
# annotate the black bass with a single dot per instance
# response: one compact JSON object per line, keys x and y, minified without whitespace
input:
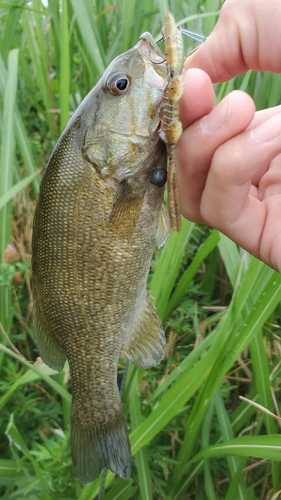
{"x":100,"y":211}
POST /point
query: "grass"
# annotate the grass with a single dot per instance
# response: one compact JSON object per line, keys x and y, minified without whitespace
{"x":191,"y":435}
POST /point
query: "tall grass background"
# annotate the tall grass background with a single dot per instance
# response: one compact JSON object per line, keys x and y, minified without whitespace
{"x":191,"y":434}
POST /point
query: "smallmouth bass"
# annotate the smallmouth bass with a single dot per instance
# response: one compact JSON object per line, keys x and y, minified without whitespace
{"x":99,"y":211}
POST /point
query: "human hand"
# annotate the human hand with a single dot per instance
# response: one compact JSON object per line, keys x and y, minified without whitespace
{"x":229,"y":163}
{"x":246,"y":36}
{"x":229,"y":167}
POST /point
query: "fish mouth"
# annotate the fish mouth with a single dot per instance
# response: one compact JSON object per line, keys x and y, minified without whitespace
{"x":156,"y":75}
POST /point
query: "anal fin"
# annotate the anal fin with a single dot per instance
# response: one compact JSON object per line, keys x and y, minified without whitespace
{"x":146,"y":345}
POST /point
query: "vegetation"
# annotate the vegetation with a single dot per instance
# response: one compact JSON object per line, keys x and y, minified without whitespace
{"x":191,"y":435}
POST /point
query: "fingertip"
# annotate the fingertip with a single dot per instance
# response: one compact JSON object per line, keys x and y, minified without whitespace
{"x":243,"y":105}
{"x":198,"y":97}
{"x":196,"y":77}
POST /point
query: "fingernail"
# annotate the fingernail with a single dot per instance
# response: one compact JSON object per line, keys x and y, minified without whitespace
{"x":218,"y":118}
{"x":268,"y":131}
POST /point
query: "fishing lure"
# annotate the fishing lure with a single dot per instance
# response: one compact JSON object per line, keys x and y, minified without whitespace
{"x":171,"y":126}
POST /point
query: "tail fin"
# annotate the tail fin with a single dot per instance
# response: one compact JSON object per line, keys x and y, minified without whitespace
{"x":95,"y":448}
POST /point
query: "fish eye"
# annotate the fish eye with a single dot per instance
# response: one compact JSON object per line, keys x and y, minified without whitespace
{"x":118,"y":83}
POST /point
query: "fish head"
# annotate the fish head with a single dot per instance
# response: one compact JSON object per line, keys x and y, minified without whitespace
{"x":122,"y":111}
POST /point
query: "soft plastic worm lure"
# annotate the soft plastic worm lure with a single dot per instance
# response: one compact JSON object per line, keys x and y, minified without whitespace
{"x":171,"y":126}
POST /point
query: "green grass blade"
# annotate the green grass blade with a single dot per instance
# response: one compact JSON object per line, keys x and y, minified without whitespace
{"x":43,"y":70}
{"x":209,"y":485}
{"x":37,"y":53}
{"x":9,"y":27}
{"x":55,"y":18}
{"x":187,"y":482}
{"x":123,"y":490}
{"x":16,"y":439}
{"x":64,"y":67}
{"x":268,"y":447}
{"x":4,"y":200}
{"x":234,"y":490}
{"x":231,"y":258}
{"x":26,"y":152}
{"x":263,"y":98}
{"x":208,"y":482}
{"x":7,"y":158}
{"x":28,"y":377}
{"x":263,"y":384}
{"x":140,"y":457}
{"x":170,"y":259}
{"x":21,"y":135}
{"x":267,"y":301}
{"x":11,"y":472}
{"x":92,"y":490}
{"x":163,"y":7}
{"x":128,"y":14}
{"x":88,"y":33}
{"x":190,"y":380}
{"x":244,"y":412}
{"x":172,"y":401}
{"x":230,"y":347}
{"x":43,"y":371}
{"x":206,"y":248}
{"x":235,"y":464}
{"x":8,"y":147}
{"x":262,"y":378}
{"x":186,"y":364}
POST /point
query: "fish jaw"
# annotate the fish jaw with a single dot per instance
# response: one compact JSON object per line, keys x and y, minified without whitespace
{"x":154,"y":58}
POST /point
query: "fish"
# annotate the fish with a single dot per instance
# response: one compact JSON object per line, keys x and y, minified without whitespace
{"x":99,"y":212}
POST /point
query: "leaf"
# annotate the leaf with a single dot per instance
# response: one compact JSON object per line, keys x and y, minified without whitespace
{"x":43,"y":371}
{"x":268,"y":447}
{"x":170,"y":260}
{"x":8,"y":147}
{"x":140,"y":457}
{"x":206,"y":248}
{"x":16,"y":189}
{"x":16,"y":439}
{"x":64,"y":68}
{"x":10,"y":472}
{"x":88,"y":33}
{"x":123,"y":490}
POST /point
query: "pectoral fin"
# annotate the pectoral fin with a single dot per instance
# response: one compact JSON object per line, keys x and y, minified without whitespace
{"x":126,"y":210}
{"x":146,"y":345}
